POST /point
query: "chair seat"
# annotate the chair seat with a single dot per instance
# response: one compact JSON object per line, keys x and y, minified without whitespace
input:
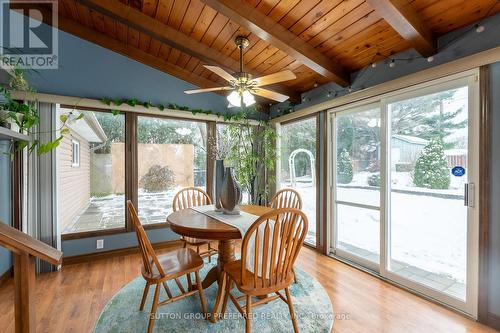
{"x":175,"y":263}
{"x":233,"y":269}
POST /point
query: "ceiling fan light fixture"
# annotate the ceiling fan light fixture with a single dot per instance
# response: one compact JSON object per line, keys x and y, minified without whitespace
{"x":248,"y":98}
{"x":235,"y":97}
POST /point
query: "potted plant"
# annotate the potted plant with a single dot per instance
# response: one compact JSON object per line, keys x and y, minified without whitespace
{"x":23,"y":116}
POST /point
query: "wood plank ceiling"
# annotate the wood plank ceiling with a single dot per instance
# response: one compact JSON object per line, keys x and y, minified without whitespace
{"x":179,"y":36}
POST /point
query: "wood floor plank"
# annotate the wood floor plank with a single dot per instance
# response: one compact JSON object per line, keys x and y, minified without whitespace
{"x":72,"y":299}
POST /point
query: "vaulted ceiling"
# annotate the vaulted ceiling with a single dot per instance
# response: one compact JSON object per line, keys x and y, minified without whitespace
{"x":319,"y":40}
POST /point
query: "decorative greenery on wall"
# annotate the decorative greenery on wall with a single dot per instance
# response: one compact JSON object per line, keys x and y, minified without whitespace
{"x":171,"y":106}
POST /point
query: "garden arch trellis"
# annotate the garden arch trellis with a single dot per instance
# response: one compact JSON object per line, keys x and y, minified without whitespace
{"x":291,"y":165}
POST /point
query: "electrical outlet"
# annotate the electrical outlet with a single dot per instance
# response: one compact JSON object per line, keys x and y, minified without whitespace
{"x":100,"y":244}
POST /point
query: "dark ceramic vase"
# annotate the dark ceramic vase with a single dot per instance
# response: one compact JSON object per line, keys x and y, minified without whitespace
{"x":219,"y":180}
{"x":231,"y":193}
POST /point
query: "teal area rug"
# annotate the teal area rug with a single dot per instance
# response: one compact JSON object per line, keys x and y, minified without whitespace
{"x":312,"y":307}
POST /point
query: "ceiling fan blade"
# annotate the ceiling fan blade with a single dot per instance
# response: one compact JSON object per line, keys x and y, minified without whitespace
{"x":285,"y":75}
{"x":222,"y":73}
{"x":270,"y":94}
{"x":196,"y":91}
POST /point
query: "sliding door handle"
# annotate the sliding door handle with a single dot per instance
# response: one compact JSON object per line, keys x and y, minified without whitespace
{"x":469,"y":194}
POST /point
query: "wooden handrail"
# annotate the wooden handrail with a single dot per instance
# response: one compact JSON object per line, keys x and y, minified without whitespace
{"x":25,"y":249}
{"x":19,"y":242}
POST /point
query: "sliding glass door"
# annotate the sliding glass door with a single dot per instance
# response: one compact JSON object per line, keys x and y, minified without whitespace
{"x":403,"y":188}
{"x":357,"y":184}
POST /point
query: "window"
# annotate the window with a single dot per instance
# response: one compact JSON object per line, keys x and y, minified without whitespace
{"x":171,"y":155}
{"x":75,"y":153}
{"x":298,"y":167}
{"x":91,"y":196}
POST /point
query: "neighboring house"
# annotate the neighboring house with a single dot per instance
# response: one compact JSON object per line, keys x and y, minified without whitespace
{"x":74,"y":167}
{"x":405,"y":149}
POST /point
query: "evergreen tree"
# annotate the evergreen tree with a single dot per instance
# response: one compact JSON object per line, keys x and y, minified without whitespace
{"x":431,"y":168}
{"x":344,"y":167}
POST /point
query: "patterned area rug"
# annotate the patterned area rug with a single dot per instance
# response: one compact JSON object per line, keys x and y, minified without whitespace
{"x":312,"y":307}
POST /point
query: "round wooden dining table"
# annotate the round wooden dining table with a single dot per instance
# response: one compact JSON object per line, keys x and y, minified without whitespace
{"x":190,"y":223}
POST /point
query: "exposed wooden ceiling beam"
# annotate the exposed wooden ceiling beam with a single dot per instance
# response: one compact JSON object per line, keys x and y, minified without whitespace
{"x":267,"y":29}
{"x":134,"y":53}
{"x":170,"y":36}
{"x":404,"y":19}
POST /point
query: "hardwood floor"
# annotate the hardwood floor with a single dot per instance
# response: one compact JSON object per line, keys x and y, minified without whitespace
{"x":71,"y":300}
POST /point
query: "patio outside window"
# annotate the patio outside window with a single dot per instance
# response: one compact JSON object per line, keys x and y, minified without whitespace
{"x":91,"y":197}
{"x":171,"y":155}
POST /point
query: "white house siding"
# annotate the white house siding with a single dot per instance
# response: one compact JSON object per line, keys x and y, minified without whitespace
{"x":74,"y":182}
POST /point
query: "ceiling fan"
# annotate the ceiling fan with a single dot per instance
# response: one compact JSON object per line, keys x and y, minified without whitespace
{"x":243,"y":85}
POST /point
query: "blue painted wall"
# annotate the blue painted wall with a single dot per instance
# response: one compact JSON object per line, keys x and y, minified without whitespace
{"x":112,"y":242}
{"x":88,"y":70}
{"x":494,"y":241}
{"x":5,"y":202}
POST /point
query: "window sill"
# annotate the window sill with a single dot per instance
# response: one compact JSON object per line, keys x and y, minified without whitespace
{"x":93,"y":233}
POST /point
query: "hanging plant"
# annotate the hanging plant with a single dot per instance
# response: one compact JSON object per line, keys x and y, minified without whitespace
{"x":25,"y":116}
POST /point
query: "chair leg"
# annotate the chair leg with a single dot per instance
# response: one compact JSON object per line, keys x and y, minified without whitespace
{"x":201,"y":294}
{"x":209,"y":253}
{"x":144,"y":296}
{"x":189,"y":282}
{"x":154,"y":307}
{"x":248,"y":319}
{"x":179,"y":284}
{"x":229,"y":286}
{"x":294,"y":275}
{"x":220,"y":293}
{"x":167,"y":289}
{"x":185,"y":244}
{"x":292,"y":312}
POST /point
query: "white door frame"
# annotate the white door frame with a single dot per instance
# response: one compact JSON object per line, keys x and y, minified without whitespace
{"x":469,"y":78}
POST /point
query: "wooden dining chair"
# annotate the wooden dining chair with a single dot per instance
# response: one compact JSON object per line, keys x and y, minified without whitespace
{"x":190,"y":197}
{"x":157,"y":270}
{"x":274,"y":241}
{"x":287,"y":198}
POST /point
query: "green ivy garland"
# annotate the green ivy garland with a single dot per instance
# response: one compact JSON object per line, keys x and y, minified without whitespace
{"x":135,"y":102}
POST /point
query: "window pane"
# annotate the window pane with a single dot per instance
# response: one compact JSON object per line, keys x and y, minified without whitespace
{"x":358,"y":157}
{"x":298,"y":167}
{"x":358,"y":230}
{"x":91,"y":196}
{"x":171,"y":155}
{"x":428,"y":229}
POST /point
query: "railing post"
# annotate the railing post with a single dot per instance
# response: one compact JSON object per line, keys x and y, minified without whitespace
{"x":24,"y":283}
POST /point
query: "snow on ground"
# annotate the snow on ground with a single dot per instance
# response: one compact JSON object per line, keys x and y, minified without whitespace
{"x":308,"y":194}
{"x":428,"y":232}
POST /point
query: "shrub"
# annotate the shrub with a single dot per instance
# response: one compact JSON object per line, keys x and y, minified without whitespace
{"x":157,"y":179}
{"x":431,"y":168}
{"x":374,"y":180}
{"x":344,"y":167}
